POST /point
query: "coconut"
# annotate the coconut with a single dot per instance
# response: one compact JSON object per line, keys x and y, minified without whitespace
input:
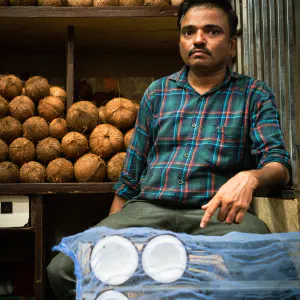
{"x":156,"y":2}
{"x":35,"y":128}
{"x":121,"y":113}
{"x":100,"y":3}
{"x":60,"y":170}
{"x":32,"y":172}
{"x":52,"y":3}
{"x":4,"y":107}
{"x":83,"y":116}
{"x":23,"y":2}
{"x":80,"y":3}
{"x":106,"y":140}
{"x":51,"y":108}
{"x":82,"y":89}
{"x":10,"y":86}
{"x":21,"y":150}
{"x":100,"y":98}
{"x":90,"y":168}
{"x":57,"y":91}
{"x":21,"y":108}
{"x":102,"y":115}
{"x":3,"y":151}
{"x":37,"y":88}
{"x":131,"y":2}
{"x":115,"y":166}
{"x":48,"y":149}
{"x":10,"y":129}
{"x":176,"y":2}
{"x":9,"y":172}
{"x":127,"y":137}
{"x":58,"y":128}
{"x":137,"y":104}
{"x":74,"y":144}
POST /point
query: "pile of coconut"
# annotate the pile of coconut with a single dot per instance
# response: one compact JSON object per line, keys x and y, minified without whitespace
{"x":41,"y":142}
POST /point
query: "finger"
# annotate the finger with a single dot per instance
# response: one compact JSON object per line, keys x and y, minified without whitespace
{"x":240,"y":216}
{"x":232,"y":214}
{"x":214,"y":204}
{"x":223,"y":212}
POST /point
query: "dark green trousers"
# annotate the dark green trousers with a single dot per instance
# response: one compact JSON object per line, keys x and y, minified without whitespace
{"x":149,"y":214}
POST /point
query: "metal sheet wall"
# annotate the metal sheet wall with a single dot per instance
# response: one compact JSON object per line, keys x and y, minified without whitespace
{"x":267,"y":50}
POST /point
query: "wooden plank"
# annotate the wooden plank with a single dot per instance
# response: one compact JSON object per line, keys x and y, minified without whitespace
{"x":55,"y":188}
{"x":70,"y":67}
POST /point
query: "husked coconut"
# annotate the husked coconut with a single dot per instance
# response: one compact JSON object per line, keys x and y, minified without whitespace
{"x":176,"y":2}
{"x":35,"y":129}
{"x":115,"y":166}
{"x":57,"y":91}
{"x":90,"y":168}
{"x":137,"y":104}
{"x":9,"y":172}
{"x":32,"y":172}
{"x":56,"y":3}
{"x":83,"y":116}
{"x":21,"y":108}
{"x":106,"y":140}
{"x":58,"y":128}
{"x":60,"y":170}
{"x":51,"y":108}
{"x":100,"y":98}
{"x":80,"y":3}
{"x":82,"y":89}
{"x":74,"y":144}
{"x":3,"y":151}
{"x":21,"y":150}
{"x":37,"y":88}
{"x":48,"y":149}
{"x":131,"y":2}
{"x":102,"y":115}
{"x":156,"y":2}
{"x":100,"y":3}
{"x":4,"y":107}
{"x":121,"y":113}
{"x":23,"y":2}
{"x":10,"y":86}
{"x":10,"y":129}
{"x":127,"y":137}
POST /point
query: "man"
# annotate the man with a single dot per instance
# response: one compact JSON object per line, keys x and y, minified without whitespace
{"x":206,"y":139}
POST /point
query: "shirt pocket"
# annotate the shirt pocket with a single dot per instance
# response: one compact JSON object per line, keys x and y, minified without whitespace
{"x":230,"y":146}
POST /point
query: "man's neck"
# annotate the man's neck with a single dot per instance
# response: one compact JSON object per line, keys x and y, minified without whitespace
{"x":202,"y":82}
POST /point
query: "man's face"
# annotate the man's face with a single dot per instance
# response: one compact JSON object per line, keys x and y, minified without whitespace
{"x":205,"y":43}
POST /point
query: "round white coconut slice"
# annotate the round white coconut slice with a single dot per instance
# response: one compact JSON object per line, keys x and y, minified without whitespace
{"x":112,"y":295}
{"x":164,"y":259}
{"x":114,"y":259}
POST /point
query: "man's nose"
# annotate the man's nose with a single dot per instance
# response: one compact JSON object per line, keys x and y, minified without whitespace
{"x":199,"y":38}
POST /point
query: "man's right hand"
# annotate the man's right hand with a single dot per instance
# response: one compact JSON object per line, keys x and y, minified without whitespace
{"x":117,"y":204}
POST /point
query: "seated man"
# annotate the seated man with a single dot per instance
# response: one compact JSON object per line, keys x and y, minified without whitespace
{"x":206,"y":139}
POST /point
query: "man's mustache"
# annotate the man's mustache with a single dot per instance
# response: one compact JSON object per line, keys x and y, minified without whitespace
{"x":197,"y":49}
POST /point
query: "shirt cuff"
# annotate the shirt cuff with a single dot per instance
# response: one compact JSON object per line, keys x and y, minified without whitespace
{"x":126,"y":187}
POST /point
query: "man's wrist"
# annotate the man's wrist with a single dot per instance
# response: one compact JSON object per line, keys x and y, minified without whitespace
{"x":253,"y":178}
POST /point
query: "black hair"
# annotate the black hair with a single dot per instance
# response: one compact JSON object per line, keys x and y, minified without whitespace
{"x":225,"y":5}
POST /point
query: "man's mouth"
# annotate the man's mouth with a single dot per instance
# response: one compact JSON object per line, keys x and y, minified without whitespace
{"x":200,"y":51}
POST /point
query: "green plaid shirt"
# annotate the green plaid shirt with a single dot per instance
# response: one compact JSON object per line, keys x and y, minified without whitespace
{"x":185,"y":146}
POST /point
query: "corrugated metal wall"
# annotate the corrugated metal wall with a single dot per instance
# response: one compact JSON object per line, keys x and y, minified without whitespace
{"x":267,"y":51}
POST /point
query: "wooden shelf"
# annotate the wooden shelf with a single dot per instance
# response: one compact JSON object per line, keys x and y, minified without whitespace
{"x":55,"y":188}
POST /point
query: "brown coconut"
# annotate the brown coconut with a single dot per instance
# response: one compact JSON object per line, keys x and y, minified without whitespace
{"x":80,"y":3}
{"x":106,"y":140}
{"x":21,"y":150}
{"x":3,"y":151}
{"x":100,"y":3}
{"x":23,"y":2}
{"x":137,"y":104}
{"x":127,"y":137}
{"x":57,"y":91}
{"x":56,"y":3}
{"x":176,"y":2}
{"x":10,"y":86}
{"x":35,"y":129}
{"x":21,"y":108}
{"x":74,"y":144}
{"x":60,"y":170}
{"x":10,"y":129}
{"x":48,"y":149}
{"x":4,"y":107}
{"x":115,"y":166}
{"x":82,"y":89}
{"x":102,"y":115}
{"x":58,"y":128}
{"x":9,"y":172}
{"x":51,"y":108}
{"x":37,"y":88}
{"x":90,"y":168}
{"x":100,"y":98}
{"x":83,"y":116}
{"x":32,"y":172}
{"x":131,"y":2}
{"x":121,"y":113}
{"x":156,"y":2}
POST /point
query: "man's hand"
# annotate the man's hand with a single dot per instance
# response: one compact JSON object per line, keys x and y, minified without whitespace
{"x":117,"y":204}
{"x":233,"y":198}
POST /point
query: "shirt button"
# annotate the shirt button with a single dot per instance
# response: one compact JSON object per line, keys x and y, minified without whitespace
{"x":180,"y":181}
{"x":186,"y":155}
{"x":193,"y":125}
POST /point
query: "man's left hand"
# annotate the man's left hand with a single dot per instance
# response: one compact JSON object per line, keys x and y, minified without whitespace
{"x":233,"y":198}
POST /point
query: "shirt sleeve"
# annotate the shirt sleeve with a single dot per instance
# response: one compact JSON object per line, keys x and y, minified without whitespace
{"x":265,"y":132}
{"x":128,"y":185}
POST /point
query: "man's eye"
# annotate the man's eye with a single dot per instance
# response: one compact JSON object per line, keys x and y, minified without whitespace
{"x":214,"y":32}
{"x":187,"y":32}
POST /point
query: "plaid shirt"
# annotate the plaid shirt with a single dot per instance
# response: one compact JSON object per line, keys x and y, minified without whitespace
{"x":185,"y":146}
